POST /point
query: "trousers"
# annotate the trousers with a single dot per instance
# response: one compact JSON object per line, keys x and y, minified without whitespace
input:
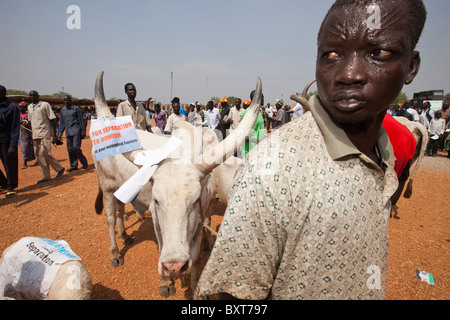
{"x":42,"y":150}
{"x":10,"y":163}
{"x":75,"y":152}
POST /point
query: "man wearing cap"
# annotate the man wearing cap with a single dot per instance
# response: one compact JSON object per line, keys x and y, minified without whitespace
{"x":280,"y":118}
{"x":174,"y":117}
{"x":177,"y":100}
{"x":212,"y":117}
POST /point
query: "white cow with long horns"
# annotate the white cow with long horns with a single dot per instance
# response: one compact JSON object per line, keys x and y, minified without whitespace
{"x":173,"y":194}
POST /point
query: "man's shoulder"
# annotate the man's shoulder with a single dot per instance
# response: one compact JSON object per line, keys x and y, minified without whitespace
{"x":44,"y":104}
{"x":122,"y":104}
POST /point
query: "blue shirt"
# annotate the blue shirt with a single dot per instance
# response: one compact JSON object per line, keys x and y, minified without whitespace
{"x":71,"y":120}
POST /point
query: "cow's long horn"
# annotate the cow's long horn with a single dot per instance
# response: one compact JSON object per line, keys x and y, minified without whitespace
{"x":101,"y":107}
{"x":302,"y":100}
{"x":227,"y":147}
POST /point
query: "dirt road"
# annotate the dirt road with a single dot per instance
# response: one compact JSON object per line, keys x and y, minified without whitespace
{"x":64,"y":209}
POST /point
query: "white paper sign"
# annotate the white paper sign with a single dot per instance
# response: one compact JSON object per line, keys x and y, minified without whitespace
{"x":149,"y":159}
{"x":111,"y":136}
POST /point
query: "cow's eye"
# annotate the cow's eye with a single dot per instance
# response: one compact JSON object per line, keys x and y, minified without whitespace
{"x":156,"y":202}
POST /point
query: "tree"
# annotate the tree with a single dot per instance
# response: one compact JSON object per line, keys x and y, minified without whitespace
{"x":401,"y":98}
{"x":17,"y":92}
{"x":447,"y":97}
{"x":57,"y":95}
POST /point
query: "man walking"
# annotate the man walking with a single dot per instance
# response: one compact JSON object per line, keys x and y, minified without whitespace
{"x":43,"y":122}
{"x":71,"y":121}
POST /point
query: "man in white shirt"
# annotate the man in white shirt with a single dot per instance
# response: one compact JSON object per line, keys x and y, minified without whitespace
{"x":236,"y":114}
{"x":297,"y":111}
{"x":212,"y":115}
{"x":174,"y":117}
{"x":409,"y":107}
{"x":427,"y":114}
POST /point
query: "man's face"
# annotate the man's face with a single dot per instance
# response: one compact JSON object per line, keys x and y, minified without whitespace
{"x":67,"y":101}
{"x":360,"y":69}
{"x":131,"y":91}
{"x":176,"y":108}
{"x":34,"y":96}
{"x":237,"y":103}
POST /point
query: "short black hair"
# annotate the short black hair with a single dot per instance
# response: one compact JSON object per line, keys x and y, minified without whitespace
{"x":416,"y":15}
{"x":128,"y":84}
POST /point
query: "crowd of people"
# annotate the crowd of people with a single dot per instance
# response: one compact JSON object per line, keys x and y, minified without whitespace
{"x":51,"y":122}
{"x":437,"y":123}
{"x":34,"y":127}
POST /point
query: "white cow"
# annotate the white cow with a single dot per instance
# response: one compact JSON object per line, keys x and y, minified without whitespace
{"x":172,"y":194}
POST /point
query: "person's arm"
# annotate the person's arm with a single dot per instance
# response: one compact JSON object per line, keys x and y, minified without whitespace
{"x":81,"y":122}
{"x":62,"y":125}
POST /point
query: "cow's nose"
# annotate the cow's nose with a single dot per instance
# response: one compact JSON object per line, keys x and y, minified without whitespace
{"x":175,"y":269}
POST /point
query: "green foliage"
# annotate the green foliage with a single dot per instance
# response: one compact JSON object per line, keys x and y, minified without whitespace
{"x":447,"y":97}
{"x":57,"y":95}
{"x":401,"y":98}
{"x":16,"y":92}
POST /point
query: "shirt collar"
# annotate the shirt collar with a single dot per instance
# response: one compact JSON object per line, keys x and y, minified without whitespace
{"x":337,"y":142}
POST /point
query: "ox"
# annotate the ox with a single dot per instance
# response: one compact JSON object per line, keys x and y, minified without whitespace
{"x":172,"y":195}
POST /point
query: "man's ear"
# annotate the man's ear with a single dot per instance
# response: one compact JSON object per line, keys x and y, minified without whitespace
{"x":413,"y":67}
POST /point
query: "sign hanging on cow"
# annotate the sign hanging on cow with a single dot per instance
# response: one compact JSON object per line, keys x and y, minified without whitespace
{"x":111,"y":136}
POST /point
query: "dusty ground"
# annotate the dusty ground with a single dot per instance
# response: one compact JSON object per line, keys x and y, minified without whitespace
{"x":64,"y":209}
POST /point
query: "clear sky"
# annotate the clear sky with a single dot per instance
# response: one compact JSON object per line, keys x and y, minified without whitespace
{"x":213,"y":48}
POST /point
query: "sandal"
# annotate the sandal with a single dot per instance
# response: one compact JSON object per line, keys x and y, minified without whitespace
{"x":10,"y":194}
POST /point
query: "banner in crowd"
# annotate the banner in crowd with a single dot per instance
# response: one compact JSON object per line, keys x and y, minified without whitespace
{"x":111,"y":136}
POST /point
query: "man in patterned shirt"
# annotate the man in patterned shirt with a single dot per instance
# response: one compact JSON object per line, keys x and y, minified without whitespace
{"x":308,"y":214}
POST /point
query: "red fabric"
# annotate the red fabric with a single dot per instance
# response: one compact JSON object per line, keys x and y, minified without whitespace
{"x":402,"y":141}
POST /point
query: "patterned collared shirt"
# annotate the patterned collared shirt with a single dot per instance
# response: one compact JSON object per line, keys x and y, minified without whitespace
{"x":307,"y":218}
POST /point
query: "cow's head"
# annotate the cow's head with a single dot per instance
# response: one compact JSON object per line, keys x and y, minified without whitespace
{"x":175,"y":208}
